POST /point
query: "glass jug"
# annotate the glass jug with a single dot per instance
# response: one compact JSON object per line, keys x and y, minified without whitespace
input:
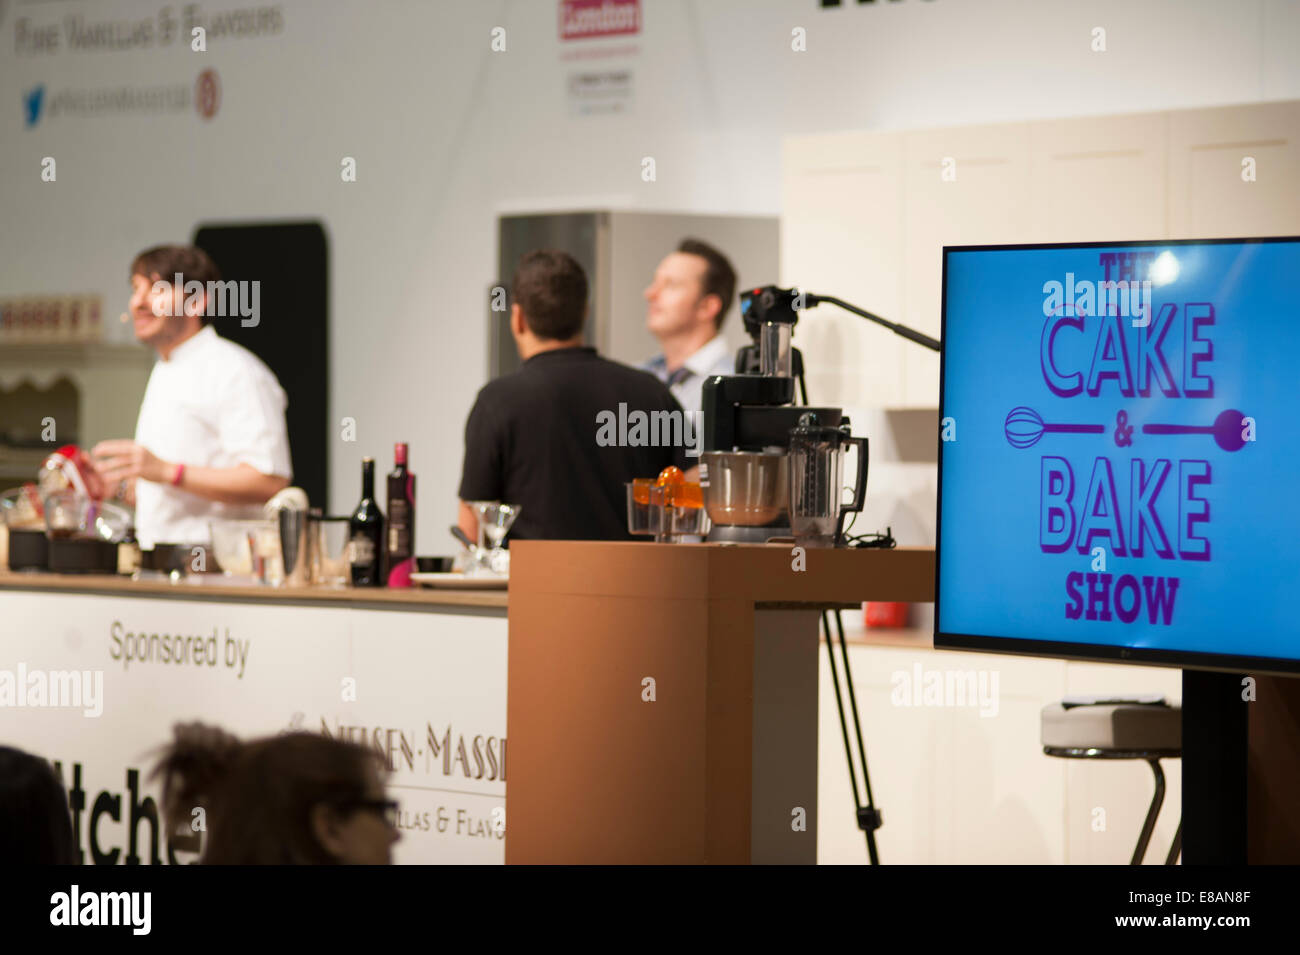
{"x":816,"y":469}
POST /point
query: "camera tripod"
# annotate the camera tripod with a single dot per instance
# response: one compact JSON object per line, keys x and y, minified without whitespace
{"x":869,"y":818}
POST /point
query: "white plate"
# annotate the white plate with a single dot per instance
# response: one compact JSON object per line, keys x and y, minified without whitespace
{"x":461,"y":582}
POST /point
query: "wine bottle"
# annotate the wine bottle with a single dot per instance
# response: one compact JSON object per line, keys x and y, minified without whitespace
{"x":400,"y":552}
{"x":366,"y":538}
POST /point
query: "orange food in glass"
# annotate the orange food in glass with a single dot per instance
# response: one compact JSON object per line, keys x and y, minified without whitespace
{"x":641,"y":490}
{"x":671,"y":475}
{"x":687,"y":495}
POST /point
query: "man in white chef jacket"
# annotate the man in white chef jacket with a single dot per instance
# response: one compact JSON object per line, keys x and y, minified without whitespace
{"x":211,"y":441}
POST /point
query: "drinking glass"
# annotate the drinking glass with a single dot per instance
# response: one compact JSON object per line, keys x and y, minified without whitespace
{"x":478,"y":555}
{"x":65,"y":513}
{"x":661,"y":514}
{"x":494,"y":522}
{"x":497,"y":523}
{"x":481,"y":509}
{"x":332,"y":566}
{"x":500,"y":518}
{"x":638,"y":506}
{"x":684,"y":509}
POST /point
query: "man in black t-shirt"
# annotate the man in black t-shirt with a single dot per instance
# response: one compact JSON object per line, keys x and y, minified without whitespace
{"x":563,"y":435}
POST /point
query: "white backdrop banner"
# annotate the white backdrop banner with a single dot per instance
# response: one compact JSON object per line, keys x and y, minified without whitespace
{"x":95,"y":684}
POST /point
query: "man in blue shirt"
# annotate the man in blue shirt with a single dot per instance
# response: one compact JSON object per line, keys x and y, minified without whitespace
{"x":688,"y":298}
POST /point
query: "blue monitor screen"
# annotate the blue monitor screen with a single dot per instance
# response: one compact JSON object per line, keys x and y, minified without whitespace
{"x":1119,"y":447}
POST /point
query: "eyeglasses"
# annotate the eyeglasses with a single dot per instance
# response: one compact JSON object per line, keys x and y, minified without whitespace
{"x":388,"y":808}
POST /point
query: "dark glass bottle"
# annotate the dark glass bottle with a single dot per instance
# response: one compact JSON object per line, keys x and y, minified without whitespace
{"x":400,"y":552}
{"x":366,"y":544}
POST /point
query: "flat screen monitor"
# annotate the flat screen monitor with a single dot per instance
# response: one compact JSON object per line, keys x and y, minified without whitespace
{"x":1119,"y":452}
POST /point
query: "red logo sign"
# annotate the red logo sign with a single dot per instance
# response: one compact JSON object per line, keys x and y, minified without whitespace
{"x":207,"y":94}
{"x":585,"y":19}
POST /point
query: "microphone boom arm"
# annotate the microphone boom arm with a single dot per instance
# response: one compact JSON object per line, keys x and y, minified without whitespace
{"x":908,"y":333}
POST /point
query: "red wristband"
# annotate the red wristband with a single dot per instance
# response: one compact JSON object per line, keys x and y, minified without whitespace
{"x":180,"y":473}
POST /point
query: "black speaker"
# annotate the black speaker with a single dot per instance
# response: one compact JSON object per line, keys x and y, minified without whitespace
{"x":290,"y":261}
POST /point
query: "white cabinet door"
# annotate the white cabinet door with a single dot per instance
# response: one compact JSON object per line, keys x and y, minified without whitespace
{"x":962,"y":186}
{"x":841,"y":235}
{"x":1211,"y":151}
{"x":1098,"y":179}
{"x":866,"y":215}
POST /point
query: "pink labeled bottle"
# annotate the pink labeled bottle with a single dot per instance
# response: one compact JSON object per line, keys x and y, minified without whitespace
{"x":400,"y":549}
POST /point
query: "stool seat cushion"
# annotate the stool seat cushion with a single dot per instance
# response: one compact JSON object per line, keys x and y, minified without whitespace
{"x":1113,"y":726}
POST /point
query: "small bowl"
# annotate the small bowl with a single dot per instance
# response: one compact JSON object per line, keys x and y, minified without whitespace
{"x":434,"y":565}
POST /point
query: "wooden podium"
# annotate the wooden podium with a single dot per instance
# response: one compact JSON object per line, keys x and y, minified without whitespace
{"x":662,"y":699}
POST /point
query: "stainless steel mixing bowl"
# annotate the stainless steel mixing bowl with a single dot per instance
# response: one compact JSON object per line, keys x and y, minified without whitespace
{"x":746,"y":488}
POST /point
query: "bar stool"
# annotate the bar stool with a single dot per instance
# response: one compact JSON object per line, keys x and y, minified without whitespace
{"x":1148,"y":729}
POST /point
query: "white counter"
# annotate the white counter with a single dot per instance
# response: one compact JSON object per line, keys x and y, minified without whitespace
{"x":418,"y":675}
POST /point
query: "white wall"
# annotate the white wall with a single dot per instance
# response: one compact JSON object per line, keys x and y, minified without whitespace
{"x":447,"y":134}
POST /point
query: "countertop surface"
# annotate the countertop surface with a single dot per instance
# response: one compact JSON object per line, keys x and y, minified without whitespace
{"x":773,"y":576}
{"x":763,"y":573}
{"x":202,"y":587}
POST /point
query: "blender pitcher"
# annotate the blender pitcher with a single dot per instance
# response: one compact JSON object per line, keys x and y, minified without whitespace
{"x":816,"y":467}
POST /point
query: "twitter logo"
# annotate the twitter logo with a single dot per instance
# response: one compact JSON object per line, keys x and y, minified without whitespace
{"x":33,"y":100}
